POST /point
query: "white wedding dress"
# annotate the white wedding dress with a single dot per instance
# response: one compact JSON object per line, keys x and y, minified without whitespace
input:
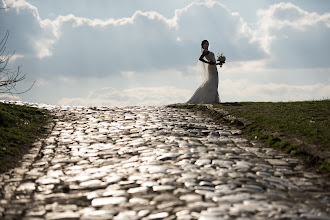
{"x":208,"y":91}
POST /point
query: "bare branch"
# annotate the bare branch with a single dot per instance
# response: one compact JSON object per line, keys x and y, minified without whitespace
{"x":9,"y":78}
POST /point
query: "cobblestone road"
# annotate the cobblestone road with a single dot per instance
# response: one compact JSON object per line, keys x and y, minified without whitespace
{"x":156,"y":163}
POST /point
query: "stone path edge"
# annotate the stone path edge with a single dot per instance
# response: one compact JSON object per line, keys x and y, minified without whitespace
{"x":26,"y":161}
{"x":313,"y":159}
{"x":48,"y":126}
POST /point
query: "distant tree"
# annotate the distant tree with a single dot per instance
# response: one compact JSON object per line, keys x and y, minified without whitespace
{"x":9,"y":78}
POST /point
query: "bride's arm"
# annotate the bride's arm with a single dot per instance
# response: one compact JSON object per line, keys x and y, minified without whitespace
{"x":201,"y":58}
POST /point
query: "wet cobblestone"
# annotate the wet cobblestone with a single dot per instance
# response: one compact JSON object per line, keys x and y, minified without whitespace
{"x":156,"y":163}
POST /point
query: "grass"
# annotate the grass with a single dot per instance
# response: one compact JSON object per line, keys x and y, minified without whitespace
{"x":301,"y":129}
{"x":308,"y":121}
{"x":20,"y":126}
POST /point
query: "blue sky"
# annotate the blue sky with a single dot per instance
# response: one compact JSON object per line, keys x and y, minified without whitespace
{"x":144,"y":52}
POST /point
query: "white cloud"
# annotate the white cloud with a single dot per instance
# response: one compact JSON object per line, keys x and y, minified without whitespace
{"x":247,"y":66}
{"x":65,"y":79}
{"x":245,"y":90}
{"x":285,"y":20}
{"x":43,"y":47}
{"x":12,"y":58}
{"x":148,"y":96}
{"x":29,"y":34}
{"x":19,"y":5}
{"x":145,"y":34}
{"x":9,"y":97}
{"x":42,"y":82}
{"x":154,"y":41}
{"x":127,"y":73}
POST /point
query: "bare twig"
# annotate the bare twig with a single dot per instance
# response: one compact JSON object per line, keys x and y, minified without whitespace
{"x":9,"y":78}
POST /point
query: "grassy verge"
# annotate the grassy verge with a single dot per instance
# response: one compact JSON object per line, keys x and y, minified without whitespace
{"x":301,"y":129}
{"x":19,"y":128}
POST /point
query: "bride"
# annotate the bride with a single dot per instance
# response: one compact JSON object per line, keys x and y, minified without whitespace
{"x":208,"y":91}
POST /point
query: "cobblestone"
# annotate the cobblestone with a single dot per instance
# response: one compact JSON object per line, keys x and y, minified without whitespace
{"x":156,"y":163}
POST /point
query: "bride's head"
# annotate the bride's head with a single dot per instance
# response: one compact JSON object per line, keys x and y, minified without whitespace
{"x":204,"y":45}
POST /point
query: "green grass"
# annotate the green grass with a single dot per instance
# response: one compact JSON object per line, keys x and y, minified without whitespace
{"x":308,"y":121}
{"x":301,"y":129}
{"x":19,"y":128}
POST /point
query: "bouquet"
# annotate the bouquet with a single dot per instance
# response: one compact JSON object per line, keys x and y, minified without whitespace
{"x":222,"y":59}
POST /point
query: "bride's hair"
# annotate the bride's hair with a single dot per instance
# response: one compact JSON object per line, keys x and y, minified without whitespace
{"x":203,"y":42}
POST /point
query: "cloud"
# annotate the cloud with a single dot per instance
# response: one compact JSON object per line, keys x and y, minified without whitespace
{"x":294,"y":38}
{"x":144,"y":41}
{"x":42,"y":82}
{"x":247,"y":66}
{"x":225,"y":30}
{"x":9,"y":97}
{"x":148,"y":96}
{"x":91,"y":46}
{"x":29,"y":34}
{"x":12,"y":57}
{"x":245,"y":90}
{"x":127,"y":73}
{"x":229,"y":90}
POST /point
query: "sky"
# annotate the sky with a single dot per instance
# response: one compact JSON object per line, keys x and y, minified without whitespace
{"x":145,"y":52}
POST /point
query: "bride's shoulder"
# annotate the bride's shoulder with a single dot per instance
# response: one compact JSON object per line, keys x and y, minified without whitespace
{"x":206,"y":52}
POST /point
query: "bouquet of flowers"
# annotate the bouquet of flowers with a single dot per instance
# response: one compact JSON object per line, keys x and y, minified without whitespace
{"x":222,"y":59}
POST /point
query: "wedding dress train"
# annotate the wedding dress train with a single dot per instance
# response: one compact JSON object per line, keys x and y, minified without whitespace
{"x":208,"y":91}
